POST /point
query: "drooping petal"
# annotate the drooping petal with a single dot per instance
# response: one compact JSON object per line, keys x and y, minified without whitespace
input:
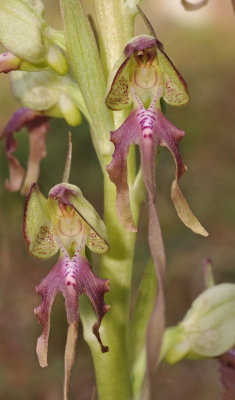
{"x":37,"y":150}
{"x":122,"y":138}
{"x":157,"y":321}
{"x":148,"y":141}
{"x":38,"y":226}
{"x":94,"y":288}
{"x":69,"y":356}
{"x":48,"y":289}
{"x":72,"y":196}
{"x":169,"y":136}
{"x":9,"y":62}
{"x":79,"y":279}
{"x":16,"y":122}
{"x":34,"y":121}
{"x":72,"y":277}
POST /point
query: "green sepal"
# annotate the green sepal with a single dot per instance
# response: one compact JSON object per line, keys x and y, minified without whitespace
{"x":72,"y":196}
{"x":138,"y":329}
{"x":175,"y":91}
{"x":118,"y":87}
{"x":38,"y":225}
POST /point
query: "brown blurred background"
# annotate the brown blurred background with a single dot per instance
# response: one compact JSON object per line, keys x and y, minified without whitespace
{"x":202,"y":45}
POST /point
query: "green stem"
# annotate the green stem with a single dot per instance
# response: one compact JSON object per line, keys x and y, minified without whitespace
{"x":112,"y":369}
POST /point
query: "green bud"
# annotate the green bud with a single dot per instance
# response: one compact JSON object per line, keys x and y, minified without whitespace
{"x":47,"y":92}
{"x":208,"y":328}
{"x":69,"y":110}
{"x":25,"y":33}
{"x":57,"y":60}
{"x":21,"y":25}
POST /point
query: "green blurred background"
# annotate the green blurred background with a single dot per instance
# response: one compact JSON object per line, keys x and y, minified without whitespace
{"x":202,"y":46}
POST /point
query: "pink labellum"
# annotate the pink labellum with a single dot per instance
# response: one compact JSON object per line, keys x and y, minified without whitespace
{"x":72,"y":277}
{"x":148,"y":128}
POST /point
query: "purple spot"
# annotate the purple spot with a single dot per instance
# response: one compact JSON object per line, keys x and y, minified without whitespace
{"x":68,"y":283}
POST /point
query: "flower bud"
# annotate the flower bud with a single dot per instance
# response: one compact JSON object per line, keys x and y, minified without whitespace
{"x":69,"y":110}
{"x":26,"y":34}
{"x":9,"y":62}
{"x":207,"y":330}
{"x":57,"y":60}
{"x":44,"y":91}
{"x":21,"y":30}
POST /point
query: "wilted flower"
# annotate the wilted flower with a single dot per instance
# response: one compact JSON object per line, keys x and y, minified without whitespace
{"x":207,"y":330}
{"x":65,"y":221}
{"x":29,"y":41}
{"x":42,"y":94}
{"x":37,"y":125}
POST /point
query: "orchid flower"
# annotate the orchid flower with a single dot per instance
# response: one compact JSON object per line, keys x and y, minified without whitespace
{"x":30,"y":43}
{"x":65,"y":222}
{"x":142,"y":76}
{"x":42,"y":94}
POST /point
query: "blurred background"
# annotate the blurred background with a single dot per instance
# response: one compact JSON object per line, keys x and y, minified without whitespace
{"x":202,"y":46}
